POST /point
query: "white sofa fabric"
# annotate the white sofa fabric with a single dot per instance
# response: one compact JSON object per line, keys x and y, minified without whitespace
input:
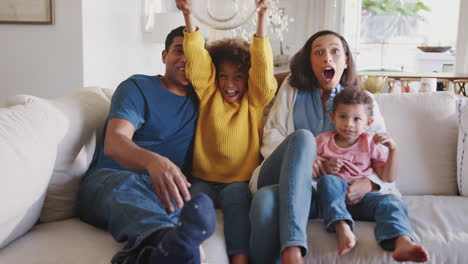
{"x":59,"y":137}
{"x":28,"y":149}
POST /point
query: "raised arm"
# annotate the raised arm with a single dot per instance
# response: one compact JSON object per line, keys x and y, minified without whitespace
{"x":262,"y":8}
{"x":389,"y":171}
{"x":262,"y":83}
{"x":167,"y":178}
{"x":184,"y":6}
{"x":199,"y":68}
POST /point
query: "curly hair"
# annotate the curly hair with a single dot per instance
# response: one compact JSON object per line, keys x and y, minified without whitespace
{"x":303,"y":78}
{"x":233,"y":50}
{"x":353,"y":96}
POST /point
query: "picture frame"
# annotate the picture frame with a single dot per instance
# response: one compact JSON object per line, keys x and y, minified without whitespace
{"x":40,"y":12}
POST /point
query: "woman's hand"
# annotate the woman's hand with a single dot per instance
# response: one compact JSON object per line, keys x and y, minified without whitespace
{"x":318,"y":168}
{"x":357,"y":189}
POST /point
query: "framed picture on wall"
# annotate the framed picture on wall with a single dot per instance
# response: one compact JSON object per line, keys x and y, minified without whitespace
{"x":27,"y":12}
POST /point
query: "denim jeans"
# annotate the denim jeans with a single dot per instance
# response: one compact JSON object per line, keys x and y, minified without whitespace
{"x":387,"y":210}
{"x":234,"y":201}
{"x":124,"y":203}
{"x":281,"y":207}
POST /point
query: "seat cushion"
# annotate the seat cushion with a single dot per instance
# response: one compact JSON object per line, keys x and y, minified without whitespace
{"x":72,"y":241}
{"x":439,"y":223}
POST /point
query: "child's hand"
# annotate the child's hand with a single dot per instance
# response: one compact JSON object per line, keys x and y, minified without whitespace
{"x":333,"y":166}
{"x":386,"y":140}
{"x":262,"y":6}
{"x":184,"y":6}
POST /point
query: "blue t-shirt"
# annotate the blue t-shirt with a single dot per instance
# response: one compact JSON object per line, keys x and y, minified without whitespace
{"x":164,"y":122}
{"x":308,"y":112}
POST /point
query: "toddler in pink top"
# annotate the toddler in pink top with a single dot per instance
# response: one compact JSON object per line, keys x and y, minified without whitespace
{"x":349,"y":153}
{"x":358,"y":160}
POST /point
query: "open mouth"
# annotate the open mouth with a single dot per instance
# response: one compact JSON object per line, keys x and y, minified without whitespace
{"x":328,"y":74}
{"x":231,"y":94}
{"x":181,"y":69}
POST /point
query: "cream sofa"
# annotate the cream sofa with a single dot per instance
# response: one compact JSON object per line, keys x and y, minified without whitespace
{"x":46,"y":146}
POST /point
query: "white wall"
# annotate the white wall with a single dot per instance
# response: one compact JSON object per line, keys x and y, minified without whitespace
{"x":114,"y":45}
{"x":43,"y":60}
{"x":92,"y":43}
{"x":312,"y":16}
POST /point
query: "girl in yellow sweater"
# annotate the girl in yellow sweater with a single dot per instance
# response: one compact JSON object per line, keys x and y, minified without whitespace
{"x":234,"y":86}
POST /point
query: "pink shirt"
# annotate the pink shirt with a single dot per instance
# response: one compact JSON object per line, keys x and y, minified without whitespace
{"x":358,"y":159}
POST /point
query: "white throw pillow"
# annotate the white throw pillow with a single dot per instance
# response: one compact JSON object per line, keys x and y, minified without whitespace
{"x":29,"y":135}
{"x":426,"y":130}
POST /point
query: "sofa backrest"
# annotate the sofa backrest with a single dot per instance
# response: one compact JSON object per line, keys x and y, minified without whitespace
{"x":46,"y":145}
{"x":425,"y":126}
{"x":86,"y":109}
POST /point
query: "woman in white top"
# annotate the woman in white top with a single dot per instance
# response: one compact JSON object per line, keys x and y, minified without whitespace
{"x":282,"y":184}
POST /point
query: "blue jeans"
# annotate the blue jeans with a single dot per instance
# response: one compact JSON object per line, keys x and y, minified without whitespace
{"x":234,"y":201}
{"x":124,"y":203}
{"x":387,"y":210}
{"x":281,"y":207}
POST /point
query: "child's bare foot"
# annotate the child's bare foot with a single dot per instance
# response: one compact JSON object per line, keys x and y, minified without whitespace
{"x":346,"y":238}
{"x":202,"y":254}
{"x":239,"y":259}
{"x":292,"y":255}
{"x":406,"y":250}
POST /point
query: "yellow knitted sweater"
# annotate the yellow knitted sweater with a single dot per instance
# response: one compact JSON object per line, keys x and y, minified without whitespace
{"x":228,"y":135}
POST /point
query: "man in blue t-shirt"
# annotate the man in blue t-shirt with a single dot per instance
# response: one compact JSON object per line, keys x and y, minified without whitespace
{"x":135,"y":187}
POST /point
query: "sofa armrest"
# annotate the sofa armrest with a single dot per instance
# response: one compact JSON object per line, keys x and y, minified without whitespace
{"x":462,"y":147}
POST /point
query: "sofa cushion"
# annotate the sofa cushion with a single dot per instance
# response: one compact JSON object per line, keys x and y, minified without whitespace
{"x":73,"y":241}
{"x":29,"y":135}
{"x":86,"y":110}
{"x":69,"y":241}
{"x":439,"y":224}
{"x":426,"y":129}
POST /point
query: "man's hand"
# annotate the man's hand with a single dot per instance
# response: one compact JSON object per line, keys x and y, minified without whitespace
{"x":357,"y":189}
{"x":169,"y":181}
{"x":333,"y":166}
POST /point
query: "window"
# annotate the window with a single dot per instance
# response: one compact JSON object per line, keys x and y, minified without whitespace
{"x":392,"y":31}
